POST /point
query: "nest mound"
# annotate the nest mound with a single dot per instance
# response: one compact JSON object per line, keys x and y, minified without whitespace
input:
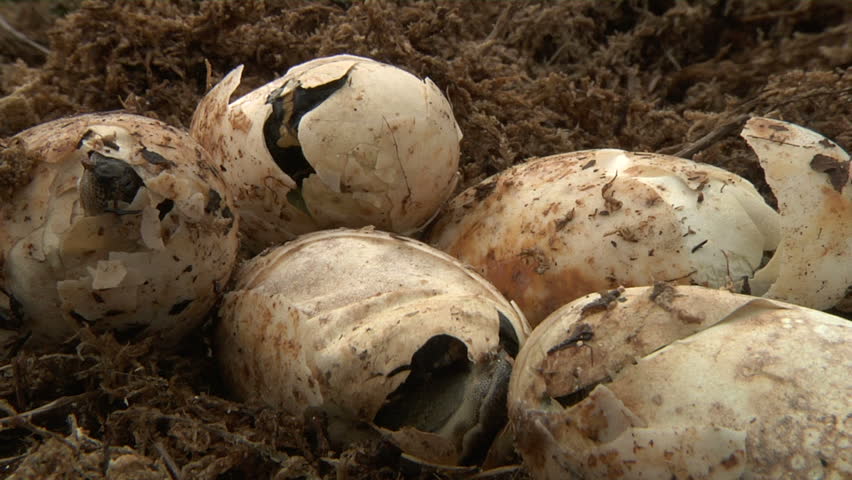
{"x":525,"y":79}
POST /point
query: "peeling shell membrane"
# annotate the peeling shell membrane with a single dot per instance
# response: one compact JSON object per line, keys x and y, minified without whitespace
{"x":550,"y":230}
{"x":684,"y":382}
{"x":125,"y":226}
{"x":371,"y":328}
{"x":810,"y":176}
{"x":340,"y":141}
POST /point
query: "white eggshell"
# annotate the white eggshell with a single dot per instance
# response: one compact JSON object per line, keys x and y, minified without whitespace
{"x":332,"y":320}
{"x":810,"y":176}
{"x":685,"y":382}
{"x":381,"y":144}
{"x":550,"y":230}
{"x":155,"y":270}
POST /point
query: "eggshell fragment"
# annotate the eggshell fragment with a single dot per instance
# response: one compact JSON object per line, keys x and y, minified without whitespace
{"x":684,"y":382}
{"x":125,"y":225}
{"x":370,"y":328}
{"x":810,"y":176}
{"x":550,"y":230}
{"x":340,"y":141}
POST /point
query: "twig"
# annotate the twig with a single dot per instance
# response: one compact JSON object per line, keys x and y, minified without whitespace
{"x":23,"y":422}
{"x":499,"y":472}
{"x":806,"y":96}
{"x":711,"y":137}
{"x":15,"y":418}
{"x":20,"y":37}
{"x":499,"y":26}
{"x":672,"y":59}
{"x":49,"y":356}
{"x":174,"y":471}
{"x":82,"y":440}
{"x":11,"y":460}
{"x":801,"y":8}
{"x":731,"y":125}
{"x":558,"y":52}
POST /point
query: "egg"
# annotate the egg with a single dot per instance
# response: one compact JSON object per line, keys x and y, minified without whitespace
{"x":555,"y":228}
{"x":684,"y":382}
{"x":811,"y":179}
{"x":379,"y":334}
{"x":124,"y":226}
{"x":340,"y":141}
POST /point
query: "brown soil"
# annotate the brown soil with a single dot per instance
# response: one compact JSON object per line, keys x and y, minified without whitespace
{"x":525,"y":79}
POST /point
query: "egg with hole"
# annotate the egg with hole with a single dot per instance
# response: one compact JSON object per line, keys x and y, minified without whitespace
{"x":339,"y":141}
{"x":381,"y":335}
{"x":124,"y":226}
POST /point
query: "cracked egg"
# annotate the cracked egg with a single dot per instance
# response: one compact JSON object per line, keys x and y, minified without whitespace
{"x":124,"y":226}
{"x":555,"y":228}
{"x":550,"y":230}
{"x":684,"y":382}
{"x":340,"y":141}
{"x":381,"y":335}
{"x":810,"y":176}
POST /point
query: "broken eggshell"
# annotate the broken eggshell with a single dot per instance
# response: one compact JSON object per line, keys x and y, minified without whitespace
{"x":810,"y":177}
{"x":372,"y":328}
{"x":340,"y":141}
{"x":125,"y":226}
{"x":550,"y":230}
{"x":684,"y":382}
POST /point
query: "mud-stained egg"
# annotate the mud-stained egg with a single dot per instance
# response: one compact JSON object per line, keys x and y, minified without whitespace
{"x":684,"y":382}
{"x":125,"y":226}
{"x":380,"y":334}
{"x":340,"y":141}
{"x":811,"y":179}
{"x":555,"y":228}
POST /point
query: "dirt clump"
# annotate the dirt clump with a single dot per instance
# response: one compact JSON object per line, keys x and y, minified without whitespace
{"x":525,"y":79}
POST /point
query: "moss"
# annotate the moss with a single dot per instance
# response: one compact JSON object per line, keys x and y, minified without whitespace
{"x":16,"y":163}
